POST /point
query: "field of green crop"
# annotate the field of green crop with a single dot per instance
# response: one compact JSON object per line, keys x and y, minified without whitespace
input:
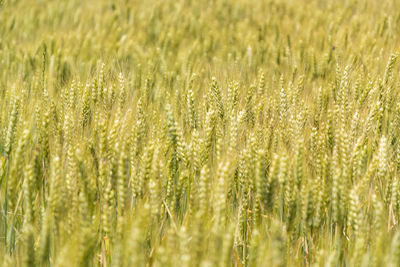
{"x":199,"y":133}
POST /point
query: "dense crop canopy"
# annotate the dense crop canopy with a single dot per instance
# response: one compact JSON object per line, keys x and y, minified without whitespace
{"x":199,"y":133}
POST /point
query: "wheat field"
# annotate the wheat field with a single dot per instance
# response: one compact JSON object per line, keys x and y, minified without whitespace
{"x":199,"y":133}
